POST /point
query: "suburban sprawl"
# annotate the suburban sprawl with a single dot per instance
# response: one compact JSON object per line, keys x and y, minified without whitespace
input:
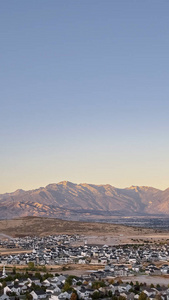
{"x":84,"y":271}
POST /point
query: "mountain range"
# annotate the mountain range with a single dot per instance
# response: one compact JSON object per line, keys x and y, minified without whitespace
{"x":66,"y":200}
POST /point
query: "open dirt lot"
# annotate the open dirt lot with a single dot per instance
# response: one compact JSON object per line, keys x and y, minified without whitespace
{"x":162,"y":280}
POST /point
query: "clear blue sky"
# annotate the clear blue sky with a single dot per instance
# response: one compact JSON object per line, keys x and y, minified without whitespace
{"x":84,"y":92}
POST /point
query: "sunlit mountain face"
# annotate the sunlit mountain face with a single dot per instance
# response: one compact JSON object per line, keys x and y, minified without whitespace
{"x":71,"y":201}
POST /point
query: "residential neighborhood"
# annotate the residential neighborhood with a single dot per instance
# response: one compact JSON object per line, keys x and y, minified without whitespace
{"x":62,"y":287}
{"x":114,"y":269}
{"x":73,"y":249}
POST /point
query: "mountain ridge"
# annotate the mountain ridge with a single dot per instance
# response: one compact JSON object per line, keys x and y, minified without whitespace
{"x":67,"y":200}
{"x":64,"y":182}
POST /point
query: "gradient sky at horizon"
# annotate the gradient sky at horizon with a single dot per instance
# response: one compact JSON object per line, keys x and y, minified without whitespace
{"x":84,"y":93}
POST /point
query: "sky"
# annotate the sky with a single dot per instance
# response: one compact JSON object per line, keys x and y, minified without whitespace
{"x":84,"y":93}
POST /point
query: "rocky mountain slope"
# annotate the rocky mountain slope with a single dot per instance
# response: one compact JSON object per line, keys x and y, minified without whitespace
{"x":71,"y":201}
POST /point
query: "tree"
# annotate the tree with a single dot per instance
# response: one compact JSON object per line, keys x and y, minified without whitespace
{"x":96,"y":295}
{"x":47,"y":275}
{"x":35,"y":287}
{"x":98,"y":284}
{"x":38,"y":275}
{"x":158,"y":297}
{"x":66,"y":287}
{"x":70,"y":278}
{"x":109,"y":293}
{"x":12,"y":294}
{"x":31,"y":265}
{"x":114,"y":297}
{"x":120,"y":281}
{"x":18,"y":276}
{"x":122,"y":298}
{"x":73,"y":296}
{"x":4,"y":284}
{"x":28,"y":296}
{"x":111,"y":281}
{"x":142,"y":296}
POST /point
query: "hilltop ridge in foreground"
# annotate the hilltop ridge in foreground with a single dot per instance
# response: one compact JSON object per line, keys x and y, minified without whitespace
{"x":51,"y":226}
{"x":67,"y":200}
{"x":92,"y":233}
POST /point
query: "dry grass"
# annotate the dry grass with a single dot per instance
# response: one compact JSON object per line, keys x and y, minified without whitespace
{"x":45,"y":226}
{"x":94,"y":233}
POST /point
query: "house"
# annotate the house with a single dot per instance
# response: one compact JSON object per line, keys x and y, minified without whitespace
{"x":40,"y":294}
{"x":4,"y":297}
{"x":149,"y":292}
{"x":65,"y":295}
